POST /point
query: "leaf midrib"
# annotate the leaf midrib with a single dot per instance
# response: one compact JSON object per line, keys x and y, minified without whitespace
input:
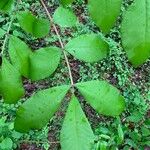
{"x":76,"y":130}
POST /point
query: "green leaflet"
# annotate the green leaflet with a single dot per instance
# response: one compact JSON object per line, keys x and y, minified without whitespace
{"x":6,"y":5}
{"x":33,"y":65}
{"x":88,"y":47}
{"x":120,"y":134}
{"x":135,"y":32}
{"x":11,"y":87}
{"x":76,"y":133}
{"x":65,"y":17}
{"x":37,"y":27}
{"x":19,"y":54}
{"x":103,"y":97}
{"x":39,"y":109}
{"x":44,"y":62}
{"x":66,"y":2}
{"x":104,"y":13}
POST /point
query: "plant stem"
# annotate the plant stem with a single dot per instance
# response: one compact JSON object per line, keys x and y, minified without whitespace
{"x":8,"y":30}
{"x":6,"y":36}
{"x":60,"y":41}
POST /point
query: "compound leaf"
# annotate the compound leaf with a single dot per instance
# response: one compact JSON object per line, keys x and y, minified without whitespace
{"x":39,"y":109}
{"x":103,"y":97}
{"x":11,"y":87}
{"x":19,"y":54}
{"x":135,"y":31}
{"x":88,"y":47}
{"x":76,"y":133}
{"x":65,"y":17}
{"x":44,"y":62}
{"x":104,"y":13}
{"x":38,"y":27}
{"x":66,"y":2}
{"x":6,"y":5}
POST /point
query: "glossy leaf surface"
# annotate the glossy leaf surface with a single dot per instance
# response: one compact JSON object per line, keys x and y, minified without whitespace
{"x":135,"y":30}
{"x":65,"y":17}
{"x":76,"y":133}
{"x":104,"y":13}
{"x":44,"y":62}
{"x":103,"y":97}
{"x":11,"y":87}
{"x":88,"y":47}
{"x":19,"y":53}
{"x":38,"y":27}
{"x":35,"y":65}
{"x":39,"y":109}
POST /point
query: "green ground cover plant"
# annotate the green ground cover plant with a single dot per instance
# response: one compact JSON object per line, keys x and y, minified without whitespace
{"x":95,"y":52}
